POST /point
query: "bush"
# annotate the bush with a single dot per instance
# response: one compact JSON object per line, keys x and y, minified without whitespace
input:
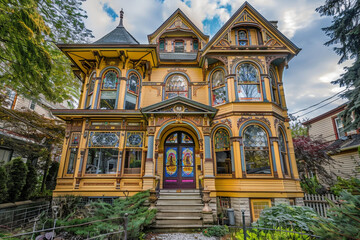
{"x":3,"y":187}
{"x":30,"y":182}
{"x":256,"y":234}
{"x":346,"y":184}
{"x":17,"y":178}
{"x":51,"y":176}
{"x":343,"y":222}
{"x":216,"y":231}
{"x":285,"y":216}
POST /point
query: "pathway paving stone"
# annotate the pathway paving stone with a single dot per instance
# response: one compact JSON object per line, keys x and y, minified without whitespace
{"x":178,"y":236}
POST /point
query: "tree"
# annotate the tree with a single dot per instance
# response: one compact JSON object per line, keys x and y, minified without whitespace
{"x":30,"y":182}
{"x":3,"y":187}
{"x":17,"y":178}
{"x":30,"y":63}
{"x":51,"y":176}
{"x":344,"y":33}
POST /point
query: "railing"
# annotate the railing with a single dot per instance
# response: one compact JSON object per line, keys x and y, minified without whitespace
{"x":266,"y":233}
{"x":319,"y":202}
{"x":50,"y":232}
{"x":10,"y":219}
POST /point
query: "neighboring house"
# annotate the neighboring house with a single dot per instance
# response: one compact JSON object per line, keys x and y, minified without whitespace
{"x":180,"y":111}
{"x":345,"y":145}
{"x":13,"y":101}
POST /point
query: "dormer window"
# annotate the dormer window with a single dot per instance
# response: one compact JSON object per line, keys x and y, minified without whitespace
{"x":179,"y":46}
{"x":162,"y":45}
{"x":195,"y":45}
{"x":243,"y":37}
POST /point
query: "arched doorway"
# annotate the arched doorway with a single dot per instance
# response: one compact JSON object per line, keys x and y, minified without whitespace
{"x":179,"y":167}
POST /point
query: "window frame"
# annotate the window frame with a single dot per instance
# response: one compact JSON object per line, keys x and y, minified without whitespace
{"x":242,"y":39}
{"x":71,"y":146}
{"x":213,"y":89}
{"x":183,"y":46}
{"x":271,"y":174}
{"x":274,"y":87}
{"x":131,"y":93}
{"x":195,"y":43}
{"x":257,"y":83}
{"x":284,"y":156}
{"x":254,"y":200}
{"x":102,"y":89}
{"x":168,"y":78}
{"x":32,"y":105}
{"x":89,"y":92}
{"x":162,"y":41}
{"x":132,"y":148}
{"x":337,"y":127}
{"x":229,"y":150}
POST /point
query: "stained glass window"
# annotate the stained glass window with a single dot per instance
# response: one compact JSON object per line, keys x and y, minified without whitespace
{"x":283,"y":152}
{"x":256,"y":150}
{"x":243,"y":39}
{"x":222,"y":152}
{"x":257,"y":205}
{"x":71,"y":162}
{"x":110,"y":80}
{"x":134,"y":139}
{"x":75,"y":138}
{"x":173,"y":138}
{"x":176,"y":85}
{"x":274,"y":89}
{"x":109,"y":90}
{"x":218,"y":87}
{"x":104,"y":139}
{"x":162,"y":45}
{"x":171,"y":159}
{"x":248,"y":82}
{"x":187,"y":157}
{"x":186,"y":138}
{"x":133,"y":84}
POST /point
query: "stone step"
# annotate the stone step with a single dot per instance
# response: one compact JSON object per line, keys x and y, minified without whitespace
{"x":178,"y":220}
{"x":181,"y":201}
{"x":197,"y":207}
{"x":175,"y":228}
{"x":179,"y":191}
{"x":179,"y":213}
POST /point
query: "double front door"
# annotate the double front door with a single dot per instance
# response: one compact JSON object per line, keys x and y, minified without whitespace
{"x":179,"y":167}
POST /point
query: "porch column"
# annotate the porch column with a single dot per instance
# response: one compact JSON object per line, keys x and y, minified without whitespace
{"x":149,"y":177}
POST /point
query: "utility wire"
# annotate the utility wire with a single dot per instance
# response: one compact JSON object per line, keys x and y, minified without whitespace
{"x":319,"y":107}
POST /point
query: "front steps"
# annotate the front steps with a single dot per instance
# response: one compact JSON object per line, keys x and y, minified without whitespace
{"x":179,"y":210}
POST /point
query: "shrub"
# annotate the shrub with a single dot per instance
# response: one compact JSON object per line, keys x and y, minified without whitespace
{"x":17,"y":171}
{"x":51,"y":176}
{"x":30,"y":182}
{"x":286,"y":216}
{"x":346,"y":184}
{"x":3,"y":187}
{"x":343,"y":222}
{"x":256,"y":234}
{"x":216,"y":231}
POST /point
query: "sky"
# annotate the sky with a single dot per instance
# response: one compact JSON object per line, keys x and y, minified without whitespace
{"x":307,"y":81}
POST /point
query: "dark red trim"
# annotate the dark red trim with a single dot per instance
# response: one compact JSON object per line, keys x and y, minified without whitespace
{"x":325,"y":115}
{"x":334,"y":127}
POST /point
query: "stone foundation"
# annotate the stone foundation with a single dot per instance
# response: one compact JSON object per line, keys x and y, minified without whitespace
{"x":239,"y":204}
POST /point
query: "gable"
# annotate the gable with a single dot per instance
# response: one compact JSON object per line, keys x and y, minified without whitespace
{"x":178,"y":24}
{"x":247,"y":17}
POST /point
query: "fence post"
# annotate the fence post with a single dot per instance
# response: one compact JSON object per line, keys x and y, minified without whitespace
{"x":125,"y":225}
{"x":244,"y":225}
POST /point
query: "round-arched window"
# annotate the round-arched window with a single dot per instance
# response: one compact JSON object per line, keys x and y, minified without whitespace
{"x":248,"y":81}
{"x":218,"y":87}
{"x":222,"y":151}
{"x":176,"y":85}
{"x":109,"y":85}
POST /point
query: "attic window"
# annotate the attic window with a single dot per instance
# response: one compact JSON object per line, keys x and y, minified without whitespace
{"x":179,"y":46}
{"x":162,"y":45}
{"x":243,"y":38}
{"x":196,"y":45}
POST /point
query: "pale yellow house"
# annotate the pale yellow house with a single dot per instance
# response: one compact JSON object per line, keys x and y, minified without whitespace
{"x":183,"y":112}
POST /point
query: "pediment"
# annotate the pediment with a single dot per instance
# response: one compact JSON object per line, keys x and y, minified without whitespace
{"x":179,"y":105}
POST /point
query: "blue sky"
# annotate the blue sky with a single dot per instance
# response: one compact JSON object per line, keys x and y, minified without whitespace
{"x":307,"y":81}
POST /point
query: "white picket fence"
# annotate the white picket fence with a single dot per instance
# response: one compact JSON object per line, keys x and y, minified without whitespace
{"x":319,"y":202}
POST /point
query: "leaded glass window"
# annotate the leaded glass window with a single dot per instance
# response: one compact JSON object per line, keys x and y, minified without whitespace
{"x":243,"y":38}
{"x":248,"y":82}
{"x":176,"y":85}
{"x":133,"y":152}
{"x":173,"y":138}
{"x":274,"y":89}
{"x":186,"y":138}
{"x":256,"y":148}
{"x":218,"y":87}
{"x":72,"y":152}
{"x":283,"y":152}
{"x":133,"y":84}
{"x":134,"y":139}
{"x":109,"y":87}
{"x":222,"y":151}
{"x":104,"y":139}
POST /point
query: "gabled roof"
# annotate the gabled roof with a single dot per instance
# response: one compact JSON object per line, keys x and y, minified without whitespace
{"x":118,"y":36}
{"x":178,"y":105}
{"x":173,"y":16}
{"x":264,"y":22}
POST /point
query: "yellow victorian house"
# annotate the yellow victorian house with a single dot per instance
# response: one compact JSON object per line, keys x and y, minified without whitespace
{"x":181,"y":114}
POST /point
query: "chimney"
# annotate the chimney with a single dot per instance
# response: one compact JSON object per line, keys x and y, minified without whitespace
{"x":274,"y":23}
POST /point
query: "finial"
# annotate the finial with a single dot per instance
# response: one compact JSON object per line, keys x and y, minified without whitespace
{"x":121,"y":18}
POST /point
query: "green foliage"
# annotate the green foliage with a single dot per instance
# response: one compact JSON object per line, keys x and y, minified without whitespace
{"x":216,"y":231}
{"x":286,"y":216}
{"x":343,"y":222}
{"x":351,"y":185}
{"x":297,"y":129}
{"x":17,"y":171}
{"x":30,"y":62}
{"x":257,"y":234}
{"x":312,"y":186}
{"x":344,"y":33}
{"x":51,"y":176}
{"x":30,"y":182}
{"x":3,"y":183}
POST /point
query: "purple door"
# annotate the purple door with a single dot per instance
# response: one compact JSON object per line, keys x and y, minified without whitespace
{"x":179,"y":167}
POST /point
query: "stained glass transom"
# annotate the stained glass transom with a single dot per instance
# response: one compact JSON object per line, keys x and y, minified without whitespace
{"x":104,"y":139}
{"x":255,"y":136}
{"x":176,"y":85}
{"x":247,"y":73}
{"x":110,"y":80}
{"x":172,"y":138}
{"x":75,"y":138}
{"x":218,"y":79}
{"x":186,"y":138}
{"x":134,"y":139}
{"x":222,"y":141}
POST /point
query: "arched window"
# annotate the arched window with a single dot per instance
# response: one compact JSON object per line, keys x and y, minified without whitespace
{"x":90,"y":91}
{"x":283,"y":152}
{"x":256,"y":149}
{"x":222,"y":151}
{"x":243,"y":38}
{"x":274,"y":89}
{"x":109,"y":85}
{"x":132,"y":94}
{"x":248,"y":81}
{"x":218,"y":87}
{"x":176,"y":85}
